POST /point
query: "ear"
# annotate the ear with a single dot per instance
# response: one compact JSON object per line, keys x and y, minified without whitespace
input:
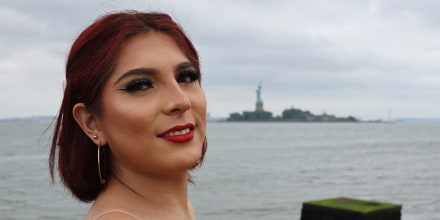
{"x":89,"y":123}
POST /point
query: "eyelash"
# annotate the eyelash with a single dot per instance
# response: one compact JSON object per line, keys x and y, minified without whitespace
{"x":141,"y":84}
{"x":188,"y":76}
{"x":137,"y":85}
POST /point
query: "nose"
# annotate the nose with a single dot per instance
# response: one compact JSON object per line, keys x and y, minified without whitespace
{"x":176,"y":100}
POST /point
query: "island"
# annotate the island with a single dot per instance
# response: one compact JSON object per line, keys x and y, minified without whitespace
{"x":289,"y":115}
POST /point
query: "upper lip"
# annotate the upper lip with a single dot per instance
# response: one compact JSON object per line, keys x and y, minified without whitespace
{"x":178,"y":128}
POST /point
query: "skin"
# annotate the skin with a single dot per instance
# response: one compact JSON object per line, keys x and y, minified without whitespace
{"x":150,"y":174}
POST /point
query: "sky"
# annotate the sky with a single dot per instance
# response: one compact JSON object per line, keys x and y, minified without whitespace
{"x":369,"y":59}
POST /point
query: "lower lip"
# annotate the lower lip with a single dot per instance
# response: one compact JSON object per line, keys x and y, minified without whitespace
{"x":180,"y":138}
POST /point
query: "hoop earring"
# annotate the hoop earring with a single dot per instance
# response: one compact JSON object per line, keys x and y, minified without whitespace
{"x":101,"y":179}
{"x":205,"y":144}
{"x":204,"y":148}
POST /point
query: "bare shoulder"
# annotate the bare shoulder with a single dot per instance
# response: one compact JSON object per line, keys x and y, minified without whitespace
{"x":116,"y":215}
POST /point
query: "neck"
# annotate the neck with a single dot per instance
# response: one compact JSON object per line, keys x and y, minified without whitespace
{"x":162,"y":197}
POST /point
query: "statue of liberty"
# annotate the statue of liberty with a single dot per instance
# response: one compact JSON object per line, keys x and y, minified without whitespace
{"x":259,"y":104}
{"x":259,"y":100}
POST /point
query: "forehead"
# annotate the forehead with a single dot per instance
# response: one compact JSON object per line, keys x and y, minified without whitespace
{"x":149,"y":50}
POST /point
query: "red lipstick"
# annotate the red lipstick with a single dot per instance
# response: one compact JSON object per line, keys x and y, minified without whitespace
{"x":179,"y":133}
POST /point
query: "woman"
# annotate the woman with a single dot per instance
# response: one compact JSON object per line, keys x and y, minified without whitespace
{"x":133,"y":118}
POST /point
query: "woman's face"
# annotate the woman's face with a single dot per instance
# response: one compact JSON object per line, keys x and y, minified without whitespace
{"x":153,"y":108}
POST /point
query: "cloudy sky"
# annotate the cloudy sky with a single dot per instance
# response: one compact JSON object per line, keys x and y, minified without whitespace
{"x":368,"y":58}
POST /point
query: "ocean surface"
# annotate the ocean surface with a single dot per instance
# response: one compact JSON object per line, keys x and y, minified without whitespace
{"x":256,"y":170}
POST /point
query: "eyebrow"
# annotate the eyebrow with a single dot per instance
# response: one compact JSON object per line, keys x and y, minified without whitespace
{"x":136,"y":72}
{"x":185,"y":65}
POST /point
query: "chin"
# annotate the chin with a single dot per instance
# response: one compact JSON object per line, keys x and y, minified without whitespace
{"x":193,"y":161}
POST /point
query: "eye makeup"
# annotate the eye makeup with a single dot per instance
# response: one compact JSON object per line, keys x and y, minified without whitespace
{"x":140,"y":79}
{"x":188,"y":76}
{"x":187,"y":73}
{"x":138,"y":84}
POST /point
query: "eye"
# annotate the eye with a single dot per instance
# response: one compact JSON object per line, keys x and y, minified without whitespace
{"x":188,"y":76}
{"x":137,"y":85}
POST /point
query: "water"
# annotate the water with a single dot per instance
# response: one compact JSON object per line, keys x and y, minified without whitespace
{"x":256,"y":170}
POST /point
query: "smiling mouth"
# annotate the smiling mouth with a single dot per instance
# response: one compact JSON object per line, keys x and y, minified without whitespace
{"x":179,"y":134}
{"x":176,"y":133}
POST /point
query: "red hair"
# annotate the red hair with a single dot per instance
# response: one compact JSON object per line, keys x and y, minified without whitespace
{"x":91,"y":62}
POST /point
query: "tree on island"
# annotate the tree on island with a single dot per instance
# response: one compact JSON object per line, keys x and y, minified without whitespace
{"x":294,"y":114}
{"x":251,"y":116}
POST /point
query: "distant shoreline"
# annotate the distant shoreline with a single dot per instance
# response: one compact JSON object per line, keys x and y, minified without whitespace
{"x":397,"y":120}
{"x":224,"y":119}
{"x":30,"y":118}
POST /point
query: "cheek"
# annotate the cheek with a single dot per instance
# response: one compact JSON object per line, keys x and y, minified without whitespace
{"x":200,"y":104}
{"x":122,"y":116}
{"x":200,"y":107}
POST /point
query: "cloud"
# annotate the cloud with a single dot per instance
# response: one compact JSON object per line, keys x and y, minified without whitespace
{"x":343,"y":57}
{"x":337,"y":56}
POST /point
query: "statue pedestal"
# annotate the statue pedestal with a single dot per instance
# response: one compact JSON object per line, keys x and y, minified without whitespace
{"x":259,"y":106}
